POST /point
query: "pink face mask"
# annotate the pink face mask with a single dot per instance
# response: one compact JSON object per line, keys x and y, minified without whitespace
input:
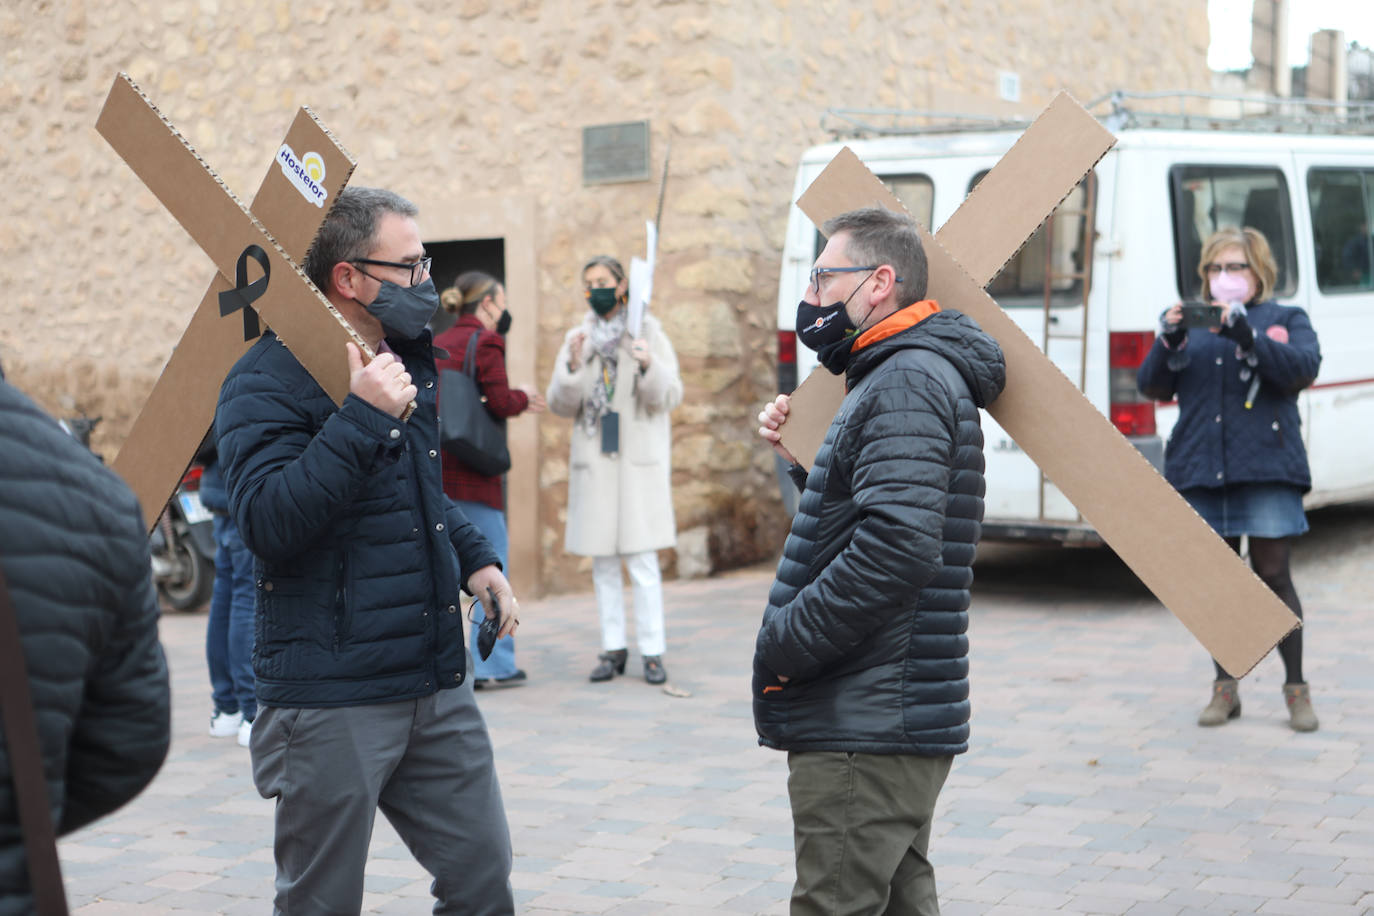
{"x":1227,"y":287}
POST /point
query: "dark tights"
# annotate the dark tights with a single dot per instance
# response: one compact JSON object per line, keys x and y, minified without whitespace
{"x":1269,"y":560}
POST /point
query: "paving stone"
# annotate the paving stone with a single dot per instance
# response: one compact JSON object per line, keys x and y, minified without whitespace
{"x":1088,"y":788}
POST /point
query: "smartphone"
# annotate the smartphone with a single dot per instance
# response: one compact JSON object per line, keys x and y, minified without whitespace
{"x":490,"y":626}
{"x":1201,"y":315}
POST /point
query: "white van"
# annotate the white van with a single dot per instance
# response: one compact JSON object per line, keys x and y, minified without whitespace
{"x":1090,"y":284}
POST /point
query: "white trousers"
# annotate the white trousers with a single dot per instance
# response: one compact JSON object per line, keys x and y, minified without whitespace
{"x":647,"y":582}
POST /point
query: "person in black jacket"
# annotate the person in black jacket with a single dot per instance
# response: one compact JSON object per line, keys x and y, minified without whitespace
{"x":361,"y":672}
{"x":75,"y":555}
{"x":861,"y":664}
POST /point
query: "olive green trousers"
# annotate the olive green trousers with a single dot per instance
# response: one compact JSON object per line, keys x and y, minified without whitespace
{"x":861,"y":827}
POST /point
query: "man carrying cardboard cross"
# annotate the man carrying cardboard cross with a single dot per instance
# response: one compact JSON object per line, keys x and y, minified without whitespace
{"x":861,"y":665}
{"x":360,"y":664}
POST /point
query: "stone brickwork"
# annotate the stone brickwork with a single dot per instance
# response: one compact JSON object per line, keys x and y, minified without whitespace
{"x":490,"y":98}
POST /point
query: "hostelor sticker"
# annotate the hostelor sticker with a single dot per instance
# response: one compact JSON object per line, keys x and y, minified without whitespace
{"x":305,"y":172}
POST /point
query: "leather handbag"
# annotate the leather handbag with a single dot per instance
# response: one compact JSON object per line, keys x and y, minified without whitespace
{"x":467,"y":430}
{"x":26,"y":766}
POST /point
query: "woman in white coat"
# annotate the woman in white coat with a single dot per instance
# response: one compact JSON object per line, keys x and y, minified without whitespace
{"x":619,"y":391}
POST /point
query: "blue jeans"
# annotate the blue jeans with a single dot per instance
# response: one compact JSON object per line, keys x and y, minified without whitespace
{"x":492,"y":523}
{"x":229,"y":632}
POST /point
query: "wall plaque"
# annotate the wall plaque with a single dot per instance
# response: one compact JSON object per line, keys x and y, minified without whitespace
{"x":615,"y":152}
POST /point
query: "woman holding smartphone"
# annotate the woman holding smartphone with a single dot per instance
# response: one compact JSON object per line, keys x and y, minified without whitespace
{"x":1236,"y":451}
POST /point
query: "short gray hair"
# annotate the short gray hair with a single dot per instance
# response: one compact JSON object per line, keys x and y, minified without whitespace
{"x":608,"y":262}
{"x":350,"y":230}
{"x":881,"y":236}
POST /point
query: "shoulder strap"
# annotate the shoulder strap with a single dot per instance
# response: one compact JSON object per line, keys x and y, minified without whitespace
{"x":26,"y":763}
{"x":469,"y":362}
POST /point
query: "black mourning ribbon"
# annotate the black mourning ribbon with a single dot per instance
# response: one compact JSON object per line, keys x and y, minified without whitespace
{"x":244,"y":293}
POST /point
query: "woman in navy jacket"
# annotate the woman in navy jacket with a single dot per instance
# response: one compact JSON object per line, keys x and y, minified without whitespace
{"x":1236,"y":452}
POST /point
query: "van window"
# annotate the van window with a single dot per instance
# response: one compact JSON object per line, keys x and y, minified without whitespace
{"x":1341,"y":201}
{"x":1207,"y":197}
{"x":1052,"y":262}
{"x":917,"y":194}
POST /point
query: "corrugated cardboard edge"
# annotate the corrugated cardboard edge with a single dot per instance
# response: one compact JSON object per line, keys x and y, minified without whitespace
{"x":1191,"y":570}
{"x":1065,"y":134}
{"x":181,"y":406}
{"x":286,"y":306}
{"x":1064,"y":130}
{"x":1151,"y":527}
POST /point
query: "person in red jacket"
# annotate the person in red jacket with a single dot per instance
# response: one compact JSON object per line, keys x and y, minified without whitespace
{"x":479,"y":300}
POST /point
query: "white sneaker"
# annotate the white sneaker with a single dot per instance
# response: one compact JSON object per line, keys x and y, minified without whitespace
{"x":245,"y":732}
{"x":225,"y":724}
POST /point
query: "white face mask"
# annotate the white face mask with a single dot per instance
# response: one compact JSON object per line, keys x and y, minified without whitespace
{"x":1228,"y":287}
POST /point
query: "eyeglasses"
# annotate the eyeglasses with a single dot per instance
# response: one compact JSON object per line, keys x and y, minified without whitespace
{"x":417,"y":269}
{"x":820,"y":273}
{"x":1231,"y":267}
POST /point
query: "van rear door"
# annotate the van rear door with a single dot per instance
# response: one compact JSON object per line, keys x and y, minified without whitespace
{"x":1045,"y":289}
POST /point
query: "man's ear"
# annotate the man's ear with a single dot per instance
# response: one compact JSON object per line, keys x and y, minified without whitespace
{"x":884,"y":282}
{"x":343,"y":279}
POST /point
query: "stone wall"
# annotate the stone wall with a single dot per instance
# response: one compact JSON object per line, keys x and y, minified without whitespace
{"x":481,"y":98}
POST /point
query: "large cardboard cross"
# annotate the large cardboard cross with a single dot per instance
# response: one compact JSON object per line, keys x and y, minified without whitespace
{"x":1173,"y":551}
{"x":309,"y":170}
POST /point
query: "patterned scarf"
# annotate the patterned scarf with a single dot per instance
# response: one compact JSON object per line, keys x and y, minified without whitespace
{"x":603,"y":339}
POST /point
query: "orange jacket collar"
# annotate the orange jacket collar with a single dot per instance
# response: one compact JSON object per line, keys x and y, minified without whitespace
{"x":897,"y":322}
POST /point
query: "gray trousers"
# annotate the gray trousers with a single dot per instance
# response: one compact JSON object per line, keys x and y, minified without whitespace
{"x":426,"y":763}
{"x":861,"y":827}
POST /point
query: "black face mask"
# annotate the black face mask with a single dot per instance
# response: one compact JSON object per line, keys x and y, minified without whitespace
{"x":503,"y":323}
{"x":829,"y":331}
{"x":404,"y":310}
{"x":603,"y":300}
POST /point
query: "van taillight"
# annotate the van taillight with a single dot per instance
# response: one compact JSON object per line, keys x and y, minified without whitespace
{"x":787,"y":361}
{"x":191,"y":479}
{"x":1131,"y":412}
{"x":787,"y":348}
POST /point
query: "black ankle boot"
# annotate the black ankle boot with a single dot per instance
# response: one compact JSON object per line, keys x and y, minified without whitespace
{"x":611,"y":664}
{"x":654,"y":672}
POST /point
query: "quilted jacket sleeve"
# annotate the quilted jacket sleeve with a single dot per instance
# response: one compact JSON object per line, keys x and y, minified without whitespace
{"x":473,"y":548}
{"x":1156,"y":380}
{"x":121,"y":733}
{"x":288,"y":480}
{"x":1290,"y":366}
{"x":896,"y":454}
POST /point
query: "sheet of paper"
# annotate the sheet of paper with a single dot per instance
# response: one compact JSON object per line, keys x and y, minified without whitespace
{"x":642,"y":282}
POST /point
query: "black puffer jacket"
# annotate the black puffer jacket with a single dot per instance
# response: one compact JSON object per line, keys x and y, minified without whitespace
{"x":867,"y":616}
{"x":76,"y":557}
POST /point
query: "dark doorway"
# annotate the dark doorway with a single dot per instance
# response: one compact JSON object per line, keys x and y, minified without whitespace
{"x":452,"y":258}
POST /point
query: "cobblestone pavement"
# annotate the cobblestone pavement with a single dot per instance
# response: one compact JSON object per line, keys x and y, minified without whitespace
{"x":1088,"y":789}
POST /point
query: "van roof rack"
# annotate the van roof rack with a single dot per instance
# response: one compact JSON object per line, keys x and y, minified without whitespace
{"x":889,"y":122}
{"x":1173,"y":110}
{"x":1218,"y":111}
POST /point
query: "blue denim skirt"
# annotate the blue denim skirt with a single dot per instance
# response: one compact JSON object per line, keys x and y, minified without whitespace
{"x":1262,"y":510}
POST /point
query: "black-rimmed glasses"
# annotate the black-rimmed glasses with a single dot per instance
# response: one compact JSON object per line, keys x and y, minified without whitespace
{"x":819,"y":273}
{"x":417,"y":269}
{"x":1231,"y":267}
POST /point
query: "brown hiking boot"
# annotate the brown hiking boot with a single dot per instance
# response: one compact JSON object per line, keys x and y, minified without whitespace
{"x":1225,"y":703}
{"x":1301,"y":718}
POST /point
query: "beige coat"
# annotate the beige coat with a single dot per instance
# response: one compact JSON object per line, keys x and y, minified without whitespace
{"x":619,"y":504}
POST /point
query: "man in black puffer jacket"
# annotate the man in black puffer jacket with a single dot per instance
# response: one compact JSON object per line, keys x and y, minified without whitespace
{"x":361,"y":674}
{"x":75,"y":554}
{"x":861,"y":665}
